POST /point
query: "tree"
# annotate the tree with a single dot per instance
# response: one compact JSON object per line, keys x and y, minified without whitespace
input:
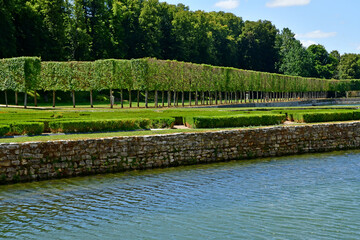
{"x":324,"y":63}
{"x":258,"y":46}
{"x":7,"y":29}
{"x":349,"y":66}
{"x":150,"y":21}
{"x":53,"y":14}
{"x":294,"y":59}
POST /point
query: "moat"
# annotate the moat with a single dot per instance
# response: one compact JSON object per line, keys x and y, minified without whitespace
{"x":313,"y":196}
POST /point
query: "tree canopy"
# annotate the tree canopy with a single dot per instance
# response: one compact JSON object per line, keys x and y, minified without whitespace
{"x":87,"y":30}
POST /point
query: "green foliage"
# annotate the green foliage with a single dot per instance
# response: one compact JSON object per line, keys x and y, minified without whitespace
{"x":324,"y":116}
{"x":162,"y":122}
{"x":349,"y":66}
{"x":235,"y":121}
{"x":20,"y":74}
{"x":29,"y":128}
{"x":4,"y":129}
{"x":294,"y":59}
{"x":99,"y":125}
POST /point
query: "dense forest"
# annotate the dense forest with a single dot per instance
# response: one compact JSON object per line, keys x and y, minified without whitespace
{"x":82,"y":30}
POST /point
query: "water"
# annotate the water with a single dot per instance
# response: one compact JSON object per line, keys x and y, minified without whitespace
{"x":302,"y":197}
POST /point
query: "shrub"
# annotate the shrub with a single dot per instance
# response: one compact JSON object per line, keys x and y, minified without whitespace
{"x":235,"y":121}
{"x":4,"y":129}
{"x":99,"y":125}
{"x":323,"y":116}
{"x":162,"y":122}
{"x":30,"y":128}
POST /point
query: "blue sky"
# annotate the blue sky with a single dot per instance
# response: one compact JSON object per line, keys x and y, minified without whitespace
{"x":332,"y":23}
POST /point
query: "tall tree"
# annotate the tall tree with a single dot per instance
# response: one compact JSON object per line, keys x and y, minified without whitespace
{"x":258,"y":46}
{"x":324,"y":63}
{"x":294,"y":59}
{"x":349,"y":66}
{"x":53,"y":14}
{"x":7,"y":29}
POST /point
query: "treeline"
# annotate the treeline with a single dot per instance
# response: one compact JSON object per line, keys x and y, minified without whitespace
{"x":87,"y":30}
{"x":172,"y":78}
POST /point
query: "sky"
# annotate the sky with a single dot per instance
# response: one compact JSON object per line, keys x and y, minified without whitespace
{"x":335,"y":24}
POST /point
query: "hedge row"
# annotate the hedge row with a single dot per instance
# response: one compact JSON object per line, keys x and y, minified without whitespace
{"x":21,"y":128}
{"x":235,"y":121}
{"x":326,"y":116}
{"x":22,"y":74}
{"x":76,"y":126}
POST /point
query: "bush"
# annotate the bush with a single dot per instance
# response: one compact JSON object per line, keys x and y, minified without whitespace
{"x":4,"y":129}
{"x":235,"y":121}
{"x":99,"y":125}
{"x":29,"y":128}
{"x":324,"y":116}
{"x":162,"y":122}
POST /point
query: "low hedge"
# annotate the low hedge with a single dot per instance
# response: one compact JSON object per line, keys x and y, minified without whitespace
{"x":99,"y":125}
{"x":325,"y":116}
{"x":29,"y":128}
{"x":162,"y":122}
{"x":4,"y":129}
{"x":235,"y":121}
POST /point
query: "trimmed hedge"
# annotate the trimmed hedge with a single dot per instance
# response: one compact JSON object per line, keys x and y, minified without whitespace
{"x":4,"y":129}
{"x":29,"y":128}
{"x":325,"y":116}
{"x":99,"y":125}
{"x":162,"y":122}
{"x":235,"y":121}
{"x":20,"y":74}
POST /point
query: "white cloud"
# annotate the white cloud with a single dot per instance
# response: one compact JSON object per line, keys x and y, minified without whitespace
{"x":287,"y":3}
{"x":227,"y":4}
{"x":358,"y":48}
{"x":316,"y":34}
{"x":307,"y":43}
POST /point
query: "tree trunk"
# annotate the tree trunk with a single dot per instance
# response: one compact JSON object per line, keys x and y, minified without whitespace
{"x":196,"y":98}
{"x":190,"y":98}
{"x":177,"y":98}
{"x":138,"y":98}
{"x":111,"y":99}
{"x":35,"y":98}
{"x":202,"y":98}
{"x":220,"y":97}
{"x":130,"y":101}
{"x":16,"y":99}
{"x":146,"y":98}
{"x":169,"y":99}
{"x":54,"y":98}
{"x":122,"y":98}
{"x":73,"y":98}
{"x":156,"y":98}
{"x":175,"y":103}
{"x":91,"y":99}
{"x":25,"y":99}
{"x":216,"y":98}
{"x":162,"y":98}
{"x":6,"y":100}
{"x":183,"y":99}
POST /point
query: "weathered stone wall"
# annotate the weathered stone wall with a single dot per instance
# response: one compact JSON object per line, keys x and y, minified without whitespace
{"x":44,"y":160}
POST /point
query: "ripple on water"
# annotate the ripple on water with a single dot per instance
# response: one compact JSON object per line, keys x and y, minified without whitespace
{"x":309,"y":196}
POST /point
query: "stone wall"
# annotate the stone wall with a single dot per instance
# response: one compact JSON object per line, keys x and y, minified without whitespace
{"x":56,"y":159}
